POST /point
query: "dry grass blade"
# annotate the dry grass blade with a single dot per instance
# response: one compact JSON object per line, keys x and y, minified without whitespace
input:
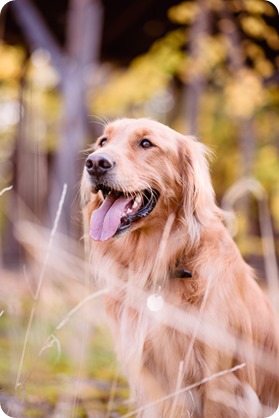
{"x":252,"y":186}
{"x":178,"y":387}
{"x":185,"y":389}
{"x":6,"y":189}
{"x":32,"y":313}
{"x":161,"y":251}
{"x":52,"y":338}
{"x":112,"y":394}
{"x":212,"y":333}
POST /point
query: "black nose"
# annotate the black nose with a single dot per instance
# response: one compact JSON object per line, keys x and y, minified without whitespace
{"x":98,"y":164}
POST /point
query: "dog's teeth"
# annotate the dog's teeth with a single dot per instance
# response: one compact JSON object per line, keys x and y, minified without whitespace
{"x":138,"y":199}
{"x":135,"y":205}
{"x":129,"y":211}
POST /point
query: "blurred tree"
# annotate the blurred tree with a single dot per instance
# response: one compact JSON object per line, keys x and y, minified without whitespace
{"x":73,"y":65}
{"x":199,"y":31}
{"x":215,"y":75}
{"x":229,"y":49}
{"x":219,"y":73}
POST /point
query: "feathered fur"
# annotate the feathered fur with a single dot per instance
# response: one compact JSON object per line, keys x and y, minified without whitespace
{"x":211,"y":323}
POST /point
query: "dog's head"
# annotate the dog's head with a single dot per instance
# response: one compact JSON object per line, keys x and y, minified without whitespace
{"x":140,"y":172}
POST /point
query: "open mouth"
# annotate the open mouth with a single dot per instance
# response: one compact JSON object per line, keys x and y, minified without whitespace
{"x":119,"y":211}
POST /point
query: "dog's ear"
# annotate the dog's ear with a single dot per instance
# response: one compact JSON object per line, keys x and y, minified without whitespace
{"x":198,"y":197}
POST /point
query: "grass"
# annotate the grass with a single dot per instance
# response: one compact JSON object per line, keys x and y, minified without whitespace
{"x":57,"y":356}
{"x":78,"y":368}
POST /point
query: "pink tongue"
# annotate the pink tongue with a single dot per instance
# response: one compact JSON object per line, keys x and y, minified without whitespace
{"x":106,"y":219}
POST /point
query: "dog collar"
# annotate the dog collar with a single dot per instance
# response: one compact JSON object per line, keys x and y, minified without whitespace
{"x":182,"y":274}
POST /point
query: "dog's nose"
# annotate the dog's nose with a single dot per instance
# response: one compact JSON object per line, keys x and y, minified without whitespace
{"x":98,"y":164}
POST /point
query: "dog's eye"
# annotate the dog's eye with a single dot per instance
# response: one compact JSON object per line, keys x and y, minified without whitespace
{"x":145,"y":143}
{"x":102,"y":142}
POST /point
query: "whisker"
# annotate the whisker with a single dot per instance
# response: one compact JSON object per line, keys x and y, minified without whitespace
{"x":103,"y":121}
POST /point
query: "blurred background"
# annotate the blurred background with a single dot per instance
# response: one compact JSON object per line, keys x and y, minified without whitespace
{"x":204,"y":67}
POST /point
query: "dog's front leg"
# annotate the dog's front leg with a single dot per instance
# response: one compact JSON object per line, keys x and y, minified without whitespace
{"x":228,"y":397}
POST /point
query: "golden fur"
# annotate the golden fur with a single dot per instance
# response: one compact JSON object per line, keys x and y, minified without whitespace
{"x":210,"y":323}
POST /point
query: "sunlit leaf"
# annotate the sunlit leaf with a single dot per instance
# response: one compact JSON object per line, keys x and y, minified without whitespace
{"x":258,"y":7}
{"x":11,"y":59}
{"x":267,"y":165}
{"x":264,"y":67}
{"x":244,"y":94}
{"x":146,"y":75}
{"x":253,"y":6}
{"x":272,"y":38}
{"x":183,"y":13}
{"x":256,"y":27}
{"x":253,"y":26}
{"x":253,"y":50}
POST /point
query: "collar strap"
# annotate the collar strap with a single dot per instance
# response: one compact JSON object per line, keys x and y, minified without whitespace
{"x":182,"y":274}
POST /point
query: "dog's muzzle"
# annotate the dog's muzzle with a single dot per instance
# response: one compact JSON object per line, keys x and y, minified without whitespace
{"x":119,"y":209}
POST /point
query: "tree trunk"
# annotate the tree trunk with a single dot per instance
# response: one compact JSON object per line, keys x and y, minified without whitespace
{"x":83,"y":43}
{"x":246,"y":125}
{"x":36,"y":31}
{"x":193,"y":92}
{"x":73,"y":66}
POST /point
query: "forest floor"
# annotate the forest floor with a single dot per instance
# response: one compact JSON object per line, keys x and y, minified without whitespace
{"x":56,"y":352}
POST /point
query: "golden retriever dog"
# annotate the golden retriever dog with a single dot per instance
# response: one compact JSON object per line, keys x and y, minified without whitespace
{"x":194,"y":333}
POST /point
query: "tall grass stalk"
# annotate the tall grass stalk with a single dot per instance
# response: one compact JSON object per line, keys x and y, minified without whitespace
{"x":53,"y":340}
{"x":69,"y":315}
{"x":6,"y":189}
{"x":112,"y":394}
{"x":177,"y":389}
{"x":210,"y":332}
{"x":39,"y":286}
{"x":185,"y":389}
{"x":240,"y":189}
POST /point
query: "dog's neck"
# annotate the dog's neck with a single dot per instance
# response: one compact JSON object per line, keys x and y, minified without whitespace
{"x":135,"y":258}
{"x":141,"y":256}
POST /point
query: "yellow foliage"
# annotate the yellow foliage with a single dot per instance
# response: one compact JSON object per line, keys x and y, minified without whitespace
{"x":272,"y":38}
{"x":264,"y":67}
{"x":258,"y":7}
{"x":252,"y":6}
{"x":244,"y":94}
{"x":268,"y":155}
{"x":10,"y":62}
{"x":131,"y":87}
{"x":253,"y":50}
{"x":183,"y":13}
{"x":174,"y":39}
{"x":267,"y":165}
{"x":256,"y":27}
{"x":253,"y":26}
{"x":146,"y":75}
{"x":274,"y":203}
{"x":212,"y":53}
